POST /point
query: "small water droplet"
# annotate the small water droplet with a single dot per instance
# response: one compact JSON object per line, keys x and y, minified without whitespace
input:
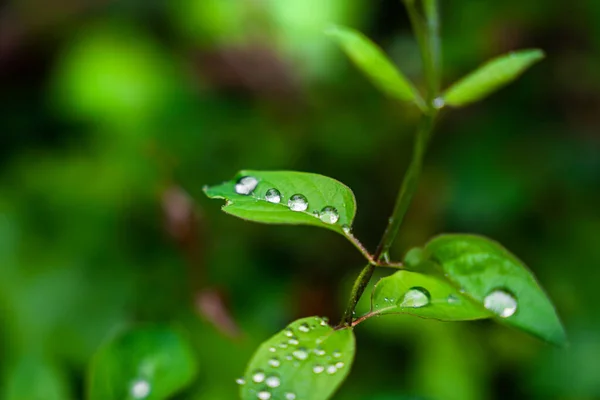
{"x":300,"y":354}
{"x":318,"y":368}
{"x":140,"y":389}
{"x":386,"y":299}
{"x":274,"y":362}
{"x":246,"y":185}
{"x":336,"y":354}
{"x":298,"y":203}
{"x":272,"y":349}
{"x":293,"y":341}
{"x":329,"y":215}
{"x":288,"y":332}
{"x":240,"y":381}
{"x":438,"y":103}
{"x":501,"y":302}
{"x":273,"y":196}
{"x":452,"y":299}
{"x":290,"y":396}
{"x":415,"y":298}
{"x":289,"y":357}
{"x":319,"y":351}
{"x":347,"y":229}
{"x":263,"y":395}
{"x":273,"y":381}
{"x":304,"y":328}
{"x":331,"y":369}
{"x":283,"y":345}
{"x":258,"y":376}
{"x":339,"y":365}
{"x":316,"y":213}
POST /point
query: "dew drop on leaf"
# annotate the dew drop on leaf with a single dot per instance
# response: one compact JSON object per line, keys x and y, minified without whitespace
{"x":290,"y":396}
{"x":347,"y":229}
{"x":304,"y":328}
{"x":263,"y":395}
{"x":273,"y":381}
{"x":246,"y":185}
{"x":288,"y":332}
{"x":501,"y":303}
{"x":331,"y":369}
{"x":320,"y":352}
{"x":329,"y":215}
{"x":240,"y":381}
{"x":140,"y":389}
{"x":317,"y":369}
{"x":274,"y":362}
{"x":258,"y":376}
{"x":336,"y":354}
{"x":415,"y":298}
{"x":273,"y":196}
{"x":300,"y":354}
{"x":438,"y":103}
{"x":298,"y":203}
{"x":293,"y":341}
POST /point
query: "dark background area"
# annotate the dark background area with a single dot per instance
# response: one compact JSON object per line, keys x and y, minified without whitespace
{"x":114,"y":114}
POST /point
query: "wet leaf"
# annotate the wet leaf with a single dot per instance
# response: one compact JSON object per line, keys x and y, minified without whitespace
{"x":307,"y":360}
{"x":148,"y":363}
{"x":490,"y":77}
{"x":287,"y":197}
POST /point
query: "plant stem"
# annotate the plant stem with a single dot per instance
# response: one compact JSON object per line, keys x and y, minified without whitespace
{"x":427,"y":32}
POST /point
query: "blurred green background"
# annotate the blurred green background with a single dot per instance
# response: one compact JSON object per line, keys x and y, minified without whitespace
{"x":113,"y":114}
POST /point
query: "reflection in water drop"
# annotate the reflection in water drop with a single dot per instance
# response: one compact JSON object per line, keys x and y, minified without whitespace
{"x":273,"y":196}
{"x":329,"y":215}
{"x":246,"y":185}
{"x":501,"y":303}
{"x":298,"y":203}
{"x":415,"y":298}
{"x":140,"y":389}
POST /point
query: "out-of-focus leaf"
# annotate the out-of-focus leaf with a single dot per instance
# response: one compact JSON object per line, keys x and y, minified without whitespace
{"x":490,"y":77}
{"x":148,"y":363}
{"x":490,"y":275}
{"x":372,"y":61}
{"x":32,"y":378}
{"x":425,"y":296}
{"x":307,"y":360}
{"x":287,"y":197}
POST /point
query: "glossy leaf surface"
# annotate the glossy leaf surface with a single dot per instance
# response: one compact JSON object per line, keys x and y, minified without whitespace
{"x":149,"y":363}
{"x":307,"y":360}
{"x":490,"y":77}
{"x":287,"y":197}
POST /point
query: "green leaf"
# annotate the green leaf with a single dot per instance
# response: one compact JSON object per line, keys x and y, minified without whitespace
{"x":307,"y":360}
{"x":32,"y":377}
{"x":490,"y":77}
{"x":493,"y":277}
{"x":152,"y":363}
{"x":373,"y":62}
{"x":329,"y":203}
{"x":425,"y":296}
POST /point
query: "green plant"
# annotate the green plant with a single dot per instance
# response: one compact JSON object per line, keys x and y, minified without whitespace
{"x":453,"y":277}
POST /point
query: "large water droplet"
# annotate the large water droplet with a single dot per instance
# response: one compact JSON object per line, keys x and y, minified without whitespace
{"x":140,"y":389}
{"x":290,"y":396}
{"x":274,"y":362}
{"x":240,"y":381}
{"x":298,"y":203}
{"x":415,"y":298}
{"x":263,"y":395}
{"x":258,"y":376}
{"x":304,"y":328}
{"x":300,"y":354}
{"x":501,"y":303}
{"x":246,"y":185}
{"x":317,"y":369}
{"x":329,"y":215}
{"x":273,"y":196}
{"x":273,"y":381}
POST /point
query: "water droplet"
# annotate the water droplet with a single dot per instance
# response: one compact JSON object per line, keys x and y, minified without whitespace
{"x":290,"y":396}
{"x":438,"y":103}
{"x":300,"y":354}
{"x":452,"y":299}
{"x":140,"y":389}
{"x":339,"y":365}
{"x":331,"y":369}
{"x":272,"y":349}
{"x":298,"y":203}
{"x":258,"y":376}
{"x":273,"y":381}
{"x":319,"y":351}
{"x":240,"y":381}
{"x":293,"y":341}
{"x":263,"y":395}
{"x":386,"y":299}
{"x":304,"y":328}
{"x":288,"y":332}
{"x":329,"y":215}
{"x":316,"y":213}
{"x":246,"y":185}
{"x":501,"y":303}
{"x":283,"y":345}
{"x":318,"y":368}
{"x":274,"y":362}
{"x":288,"y":357}
{"x":273,"y":196}
{"x":336,"y":354}
{"x":347,"y":229}
{"x":415,"y":298}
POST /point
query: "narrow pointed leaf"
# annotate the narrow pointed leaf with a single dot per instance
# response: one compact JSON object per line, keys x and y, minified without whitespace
{"x":373,"y":62}
{"x":425,"y":296}
{"x":494,"y":278}
{"x":150,"y":363}
{"x":490,"y":77}
{"x":316,"y":199}
{"x":307,"y":360}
